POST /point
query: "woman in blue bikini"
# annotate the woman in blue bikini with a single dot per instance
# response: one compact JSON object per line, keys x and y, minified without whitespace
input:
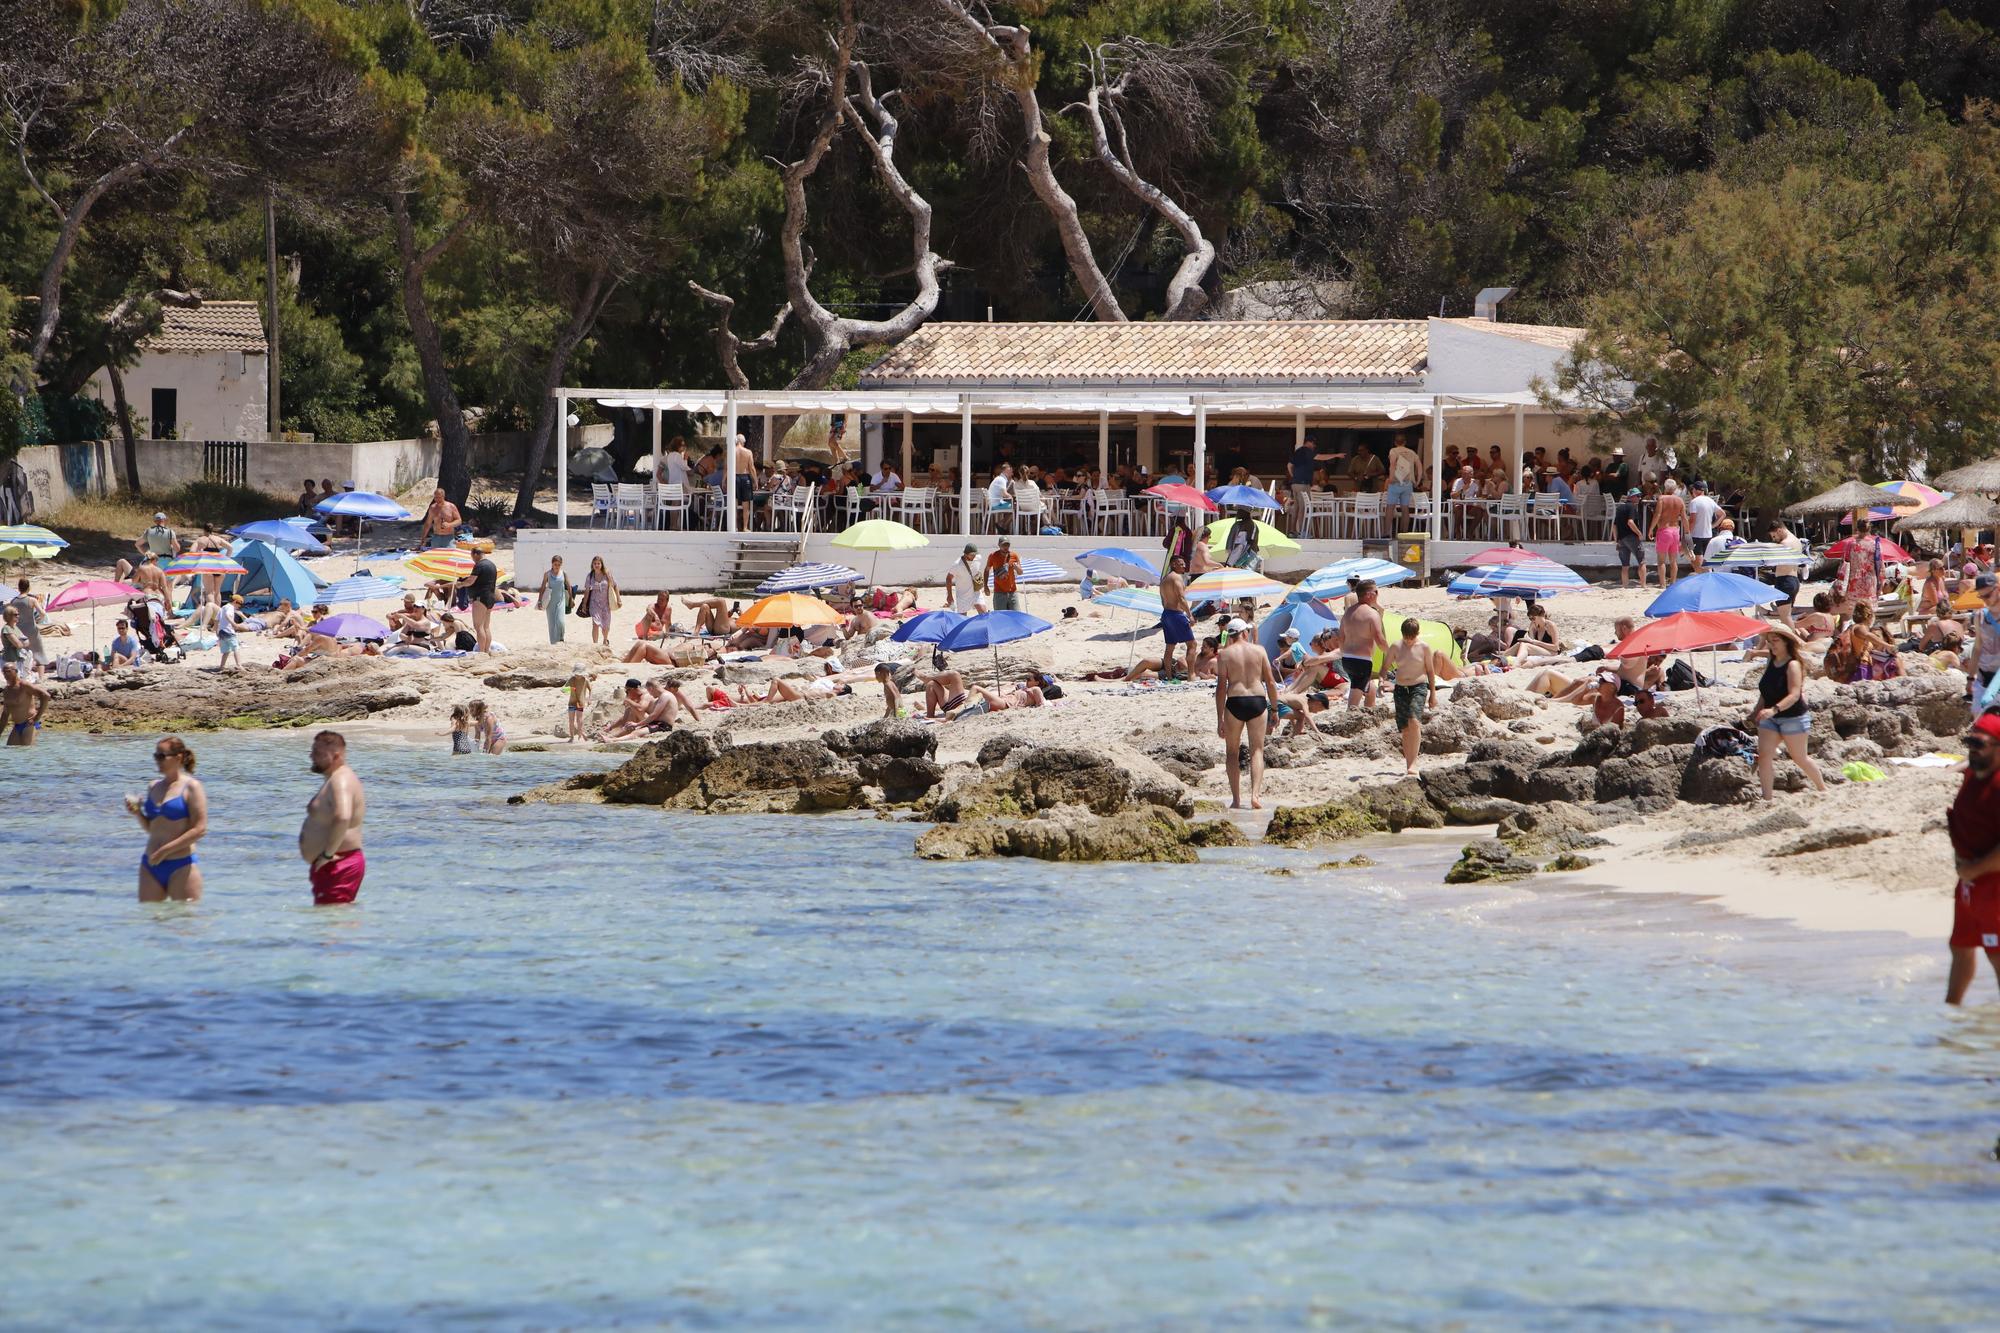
{"x":174,"y":813}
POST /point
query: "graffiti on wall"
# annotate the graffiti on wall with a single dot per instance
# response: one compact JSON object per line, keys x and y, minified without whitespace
{"x":79,"y":467}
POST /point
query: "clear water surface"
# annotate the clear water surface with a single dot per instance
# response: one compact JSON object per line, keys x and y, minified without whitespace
{"x":591,"y":1068}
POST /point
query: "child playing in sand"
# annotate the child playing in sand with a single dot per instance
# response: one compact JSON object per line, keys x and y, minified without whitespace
{"x":579,"y":701}
{"x":461,"y":730}
{"x":486,"y":726}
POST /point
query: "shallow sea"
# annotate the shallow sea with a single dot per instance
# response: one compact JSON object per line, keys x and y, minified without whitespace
{"x":583,"y":1068}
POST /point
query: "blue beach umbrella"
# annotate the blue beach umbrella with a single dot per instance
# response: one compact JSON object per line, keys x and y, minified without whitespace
{"x":1143,"y":600}
{"x":281,"y":533}
{"x":1034,"y":570}
{"x":1244,"y":497}
{"x":360,"y":588}
{"x":1300,"y":611}
{"x":930,"y":627}
{"x":990,"y":630}
{"x":804,"y":578}
{"x":362,"y":504}
{"x":1122,"y":561}
{"x":1331,"y":580}
{"x":1713,"y":590}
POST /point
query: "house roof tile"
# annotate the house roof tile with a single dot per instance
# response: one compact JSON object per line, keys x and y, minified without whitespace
{"x":212,"y":326}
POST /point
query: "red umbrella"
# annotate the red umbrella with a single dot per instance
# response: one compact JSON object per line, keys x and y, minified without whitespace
{"x":1176,"y":493}
{"x":1502,"y":555}
{"x":1685,"y":631}
{"x":1891,"y":553}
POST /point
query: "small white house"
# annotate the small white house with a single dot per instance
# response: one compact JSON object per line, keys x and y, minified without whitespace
{"x":204,"y":375}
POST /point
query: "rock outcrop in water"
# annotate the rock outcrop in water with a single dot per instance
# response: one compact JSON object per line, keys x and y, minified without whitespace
{"x":1074,"y":833}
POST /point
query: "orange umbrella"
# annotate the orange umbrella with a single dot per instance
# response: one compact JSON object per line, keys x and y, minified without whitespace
{"x":786,"y":610}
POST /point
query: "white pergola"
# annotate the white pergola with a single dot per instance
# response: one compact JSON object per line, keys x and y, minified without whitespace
{"x":1391,"y":404}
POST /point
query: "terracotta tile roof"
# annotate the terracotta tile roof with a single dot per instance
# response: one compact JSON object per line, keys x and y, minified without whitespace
{"x":1209,"y":352}
{"x":212,"y":326}
{"x":1559,"y":336}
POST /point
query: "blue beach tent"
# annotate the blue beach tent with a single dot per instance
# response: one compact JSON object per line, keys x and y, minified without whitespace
{"x":271,"y":574}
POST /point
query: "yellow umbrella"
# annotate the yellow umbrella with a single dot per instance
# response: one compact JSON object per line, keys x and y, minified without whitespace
{"x":16,"y":551}
{"x":443,"y":563}
{"x":879,"y":535}
{"x":1268,"y":537}
{"x":786,"y":610}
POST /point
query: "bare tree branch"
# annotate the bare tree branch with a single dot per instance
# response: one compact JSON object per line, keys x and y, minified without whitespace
{"x":728,"y":346}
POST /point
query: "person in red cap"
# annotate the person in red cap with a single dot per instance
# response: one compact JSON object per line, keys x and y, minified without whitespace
{"x":1974,"y":822}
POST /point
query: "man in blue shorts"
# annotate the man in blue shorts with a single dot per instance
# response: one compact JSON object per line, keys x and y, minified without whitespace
{"x":1176,"y":625}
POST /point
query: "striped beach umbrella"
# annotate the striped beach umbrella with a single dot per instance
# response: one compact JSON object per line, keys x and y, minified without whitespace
{"x":1122,"y":561}
{"x":806,"y":577}
{"x":1536,"y":578}
{"x":444,"y":563}
{"x":30,"y":534}
{"x":204,"y":562}
{"x":16,"y":551}
{"x":1751,"y":555}
{"x":1713,"y":590}
{"x":1223,"y":585}
{"x":359,"y":588}
{"x":1034,"y":570}
{"x":1143,"y":600}
{"x":1925,"y":496}
{"x":1331,"y":580}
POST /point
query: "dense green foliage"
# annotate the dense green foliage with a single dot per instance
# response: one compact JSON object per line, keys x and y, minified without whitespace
{"x":1743,"y":199}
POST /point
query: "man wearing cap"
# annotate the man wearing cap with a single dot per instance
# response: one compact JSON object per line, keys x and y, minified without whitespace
{"x":1176,"y":624}
{"x":1246,"y":694}
{"x":961,"y":582}
{"x":1003,"y":567}
{"x":1629,"y":525}
{"x":1974,"y":824}
{"x":158,"y":541}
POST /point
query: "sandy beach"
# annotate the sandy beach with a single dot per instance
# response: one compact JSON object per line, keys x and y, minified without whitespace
{"x":1897,"y":881}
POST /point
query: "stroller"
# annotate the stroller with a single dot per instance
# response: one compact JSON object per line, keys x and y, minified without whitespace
{"x":154,"y":630}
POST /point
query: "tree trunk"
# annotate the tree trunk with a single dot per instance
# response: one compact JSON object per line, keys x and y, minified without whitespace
{"x":1185,"y":297}
{"x":582,"y":319}
{"x":454,"y":443}
{"x":123,"y":408}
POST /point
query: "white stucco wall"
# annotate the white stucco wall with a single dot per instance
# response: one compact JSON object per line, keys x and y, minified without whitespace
{"x":221,"y":395}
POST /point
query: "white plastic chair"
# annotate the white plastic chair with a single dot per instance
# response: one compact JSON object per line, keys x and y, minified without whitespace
{"x":1545,"y":513}
{"x":915,"y":506}
{"x":1029,"y":504}
{"x":630,"y":503}
{"x":1112,"y":510}
{"x":673,"y":500}
{"x":1323,"y":512}
{"x":1366,"y":510}
{"x":602,"y":503}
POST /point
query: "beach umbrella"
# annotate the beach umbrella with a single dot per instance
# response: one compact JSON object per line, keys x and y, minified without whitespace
{"x":204,"y":562}
{"x":359,"y":588}
{"x":930,"y":627}
{"x":1331,"y":580}
{"x":1229,"y":584}
{"x":990,"y":630}
{"x":1180,"y":493}
{"x":1848,"y":497}
{"x":1925,"y":496}
{"x":1243,"y":497}
{"x":1713,"y":590}
{"x":351,"y":625}
{"x":1983,"y":477}
{"x":1537,"y":578}
{"x":594,"y":463}
{"x":879,"y":535}
{"x":804,"y":578}
{"x":446,"y":563}
{"x":1268,"y":538}
{"x":93,"y":593}
{"x":1891,"y":552}
{"x":1035,"y":570}
{"x":1145,"y":601}
{"x":284,"y":534}
{"x":1503,"y":555}
{"x":1300,"y":611}
{"x":30,"y":534}
{"x":1965,"y":509}
{"x":1685,"y":631}
{"x":1122,"y":561}
{"x":16,"y":551}
{"x":1752,"y":555}
{"x":788,"y":610}
{"x":362,"y":504}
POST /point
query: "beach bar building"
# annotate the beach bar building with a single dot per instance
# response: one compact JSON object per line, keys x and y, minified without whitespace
{"x":1189,"y":399}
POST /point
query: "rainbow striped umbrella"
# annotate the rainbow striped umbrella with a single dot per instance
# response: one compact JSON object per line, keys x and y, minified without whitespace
{"x":444,"y":563}
{"x":1925,"y":496}
{"x":204,"y":562}
{"x":1228,"y":584}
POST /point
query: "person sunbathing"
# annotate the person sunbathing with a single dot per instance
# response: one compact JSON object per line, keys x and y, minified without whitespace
{"x":664,"y":707}
{"x":785,"y":689}
{"x":998,"y":701}
{"x":892,"y":601}
{"x":285,"y":622}
{"x":658,"y":620}
{"x":712,"y":615}
{"x":1148,"y":668}
{"x":943,"y":691}
{"x":672,"y":654}
{"x":1818,"y":623}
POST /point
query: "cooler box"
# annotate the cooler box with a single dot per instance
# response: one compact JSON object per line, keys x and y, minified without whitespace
{"x":1411,"y":550}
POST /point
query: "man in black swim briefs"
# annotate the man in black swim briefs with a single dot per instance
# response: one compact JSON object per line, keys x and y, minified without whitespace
{"x":1245,"y":693}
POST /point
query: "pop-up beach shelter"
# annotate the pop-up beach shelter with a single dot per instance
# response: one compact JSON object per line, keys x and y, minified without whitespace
{"x":271,"y":574}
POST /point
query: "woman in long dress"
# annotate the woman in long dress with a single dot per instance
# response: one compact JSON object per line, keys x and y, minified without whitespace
{"x":554,"y":598}
{"x":602,"y":590}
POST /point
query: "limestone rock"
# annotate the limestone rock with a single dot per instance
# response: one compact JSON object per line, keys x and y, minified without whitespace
{"x":1540,"y":830}
{"x":901,"y":778}
{"x":1481,"y":810}
{"x":995,"y":751}
{"x":1067,"y":833}
{"x":885,"y":738}
{"x":773,"y":777}
{"x":1500,"y":705}
{"x":1577,"y":785}
{"x":1390,"y":808}
{"x":1184,"y":757}
{"x":1486,"y":861}
{"x":527,"y":678}
{"x":1821,"y":840}
{"x":1718,"y":782}
{"x":660,"y":770}
{"x":583,"y":789}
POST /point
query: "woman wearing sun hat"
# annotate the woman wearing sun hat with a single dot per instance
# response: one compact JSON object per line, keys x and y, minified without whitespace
{"x":1780,"y":717}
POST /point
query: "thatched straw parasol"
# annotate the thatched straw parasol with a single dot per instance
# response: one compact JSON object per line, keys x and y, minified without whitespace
{"x":1983,"y":476}
{"x":1847,"y":498}
{"x":1964,"y":510}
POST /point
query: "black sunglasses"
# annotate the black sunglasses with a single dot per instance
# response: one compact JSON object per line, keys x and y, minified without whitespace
{"x":1975,"y":742}
{"x":158,"y":755}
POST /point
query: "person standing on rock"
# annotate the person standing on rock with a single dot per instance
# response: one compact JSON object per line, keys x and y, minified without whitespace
{"x":330,"y":838}
{"x":1361,"y":637}
{"x":1780,"y":715}
{"x":1245,"y":694}
{"x":1414,"y":667}
{"x":1176,"y":624}
{"x":1974,"y":824}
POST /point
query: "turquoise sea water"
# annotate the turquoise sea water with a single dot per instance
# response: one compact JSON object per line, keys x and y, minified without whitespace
{"x":579,"y":1068}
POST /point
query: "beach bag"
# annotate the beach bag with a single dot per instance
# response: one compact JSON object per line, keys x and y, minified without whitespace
{"x":1723,"y":742}
{"x":1681,"y":676}
{"x":1590,"y":652}
{"x":464,"y":641}
{"x":1841,"y":660}
{"x":1881,"y":665}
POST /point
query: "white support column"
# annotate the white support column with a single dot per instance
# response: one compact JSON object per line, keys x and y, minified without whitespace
{"x":909,"y":456}
{"x":729,"y":460}
{"x":1147,"y":450}
{"x":562,"y":460}
{"x":965,"y":466}
{"x":657,"y":414}
{"x":770,"y":444}
{"x":1103,"y":448}
{"x":1437,"y":468}
{"x":1298,"y":430}
{"x":1520,"y":442}
{"x":1199,"y":479}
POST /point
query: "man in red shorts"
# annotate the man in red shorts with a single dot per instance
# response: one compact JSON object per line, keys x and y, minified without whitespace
{"x":1974,"y":821}
{"x":330,"y":839}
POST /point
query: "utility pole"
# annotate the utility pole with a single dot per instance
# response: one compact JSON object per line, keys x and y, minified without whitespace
{"x":273,"y":401}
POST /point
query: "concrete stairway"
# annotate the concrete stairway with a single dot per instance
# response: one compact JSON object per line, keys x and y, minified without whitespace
{"x":755,"y":556}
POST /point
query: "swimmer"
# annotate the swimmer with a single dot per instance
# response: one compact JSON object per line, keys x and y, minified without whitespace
{"x":330,"y":837}
{"x":486,"y":729}
{"x":174,"y":813}
{"x":21,"y":705}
